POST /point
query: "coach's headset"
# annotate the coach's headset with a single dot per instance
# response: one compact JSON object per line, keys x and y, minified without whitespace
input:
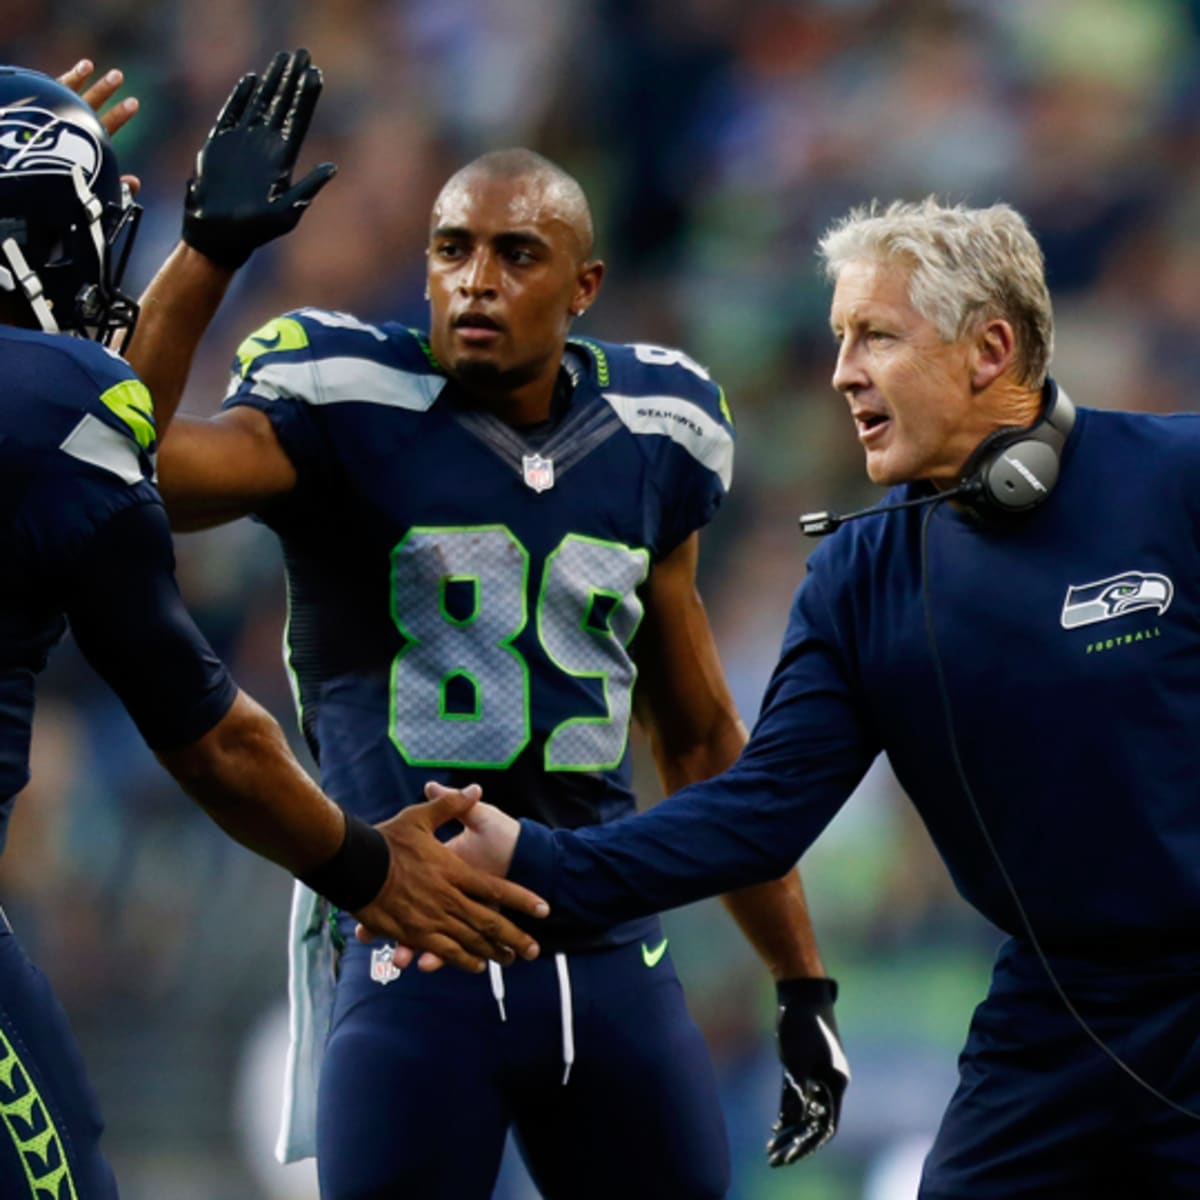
{"x":1011,"y":472}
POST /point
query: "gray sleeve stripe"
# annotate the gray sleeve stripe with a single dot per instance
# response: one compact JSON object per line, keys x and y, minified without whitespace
{"x":348,"y":379}
{"x":93,"y":442}
{"x":685,"y":423}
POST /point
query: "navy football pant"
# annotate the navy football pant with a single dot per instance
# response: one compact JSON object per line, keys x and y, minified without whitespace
{"x":422,"y":1079}
{"x":49,"y":1121}
{"x":1042,"y":1113}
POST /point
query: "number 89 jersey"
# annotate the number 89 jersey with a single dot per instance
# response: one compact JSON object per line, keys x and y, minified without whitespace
{"x":463,"y":594}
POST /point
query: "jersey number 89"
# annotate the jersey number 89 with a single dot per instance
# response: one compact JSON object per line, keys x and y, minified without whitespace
{"x":460,"y":598}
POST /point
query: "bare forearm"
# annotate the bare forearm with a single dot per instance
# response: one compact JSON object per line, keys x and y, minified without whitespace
{"x":680,"y":761}
{"x":774,"y":917}
{"x":176,"y":309}
{"x":245,"y":777}
{"x":397,"y":878}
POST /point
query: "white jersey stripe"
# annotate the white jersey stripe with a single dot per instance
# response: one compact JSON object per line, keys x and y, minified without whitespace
{"x":345,"y":380}
{"x":93,"y":442}
{"x":685,"y":423}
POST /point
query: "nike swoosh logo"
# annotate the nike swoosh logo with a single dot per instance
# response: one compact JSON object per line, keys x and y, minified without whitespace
{"x":268,"y":343}
{"x":653,"y":957}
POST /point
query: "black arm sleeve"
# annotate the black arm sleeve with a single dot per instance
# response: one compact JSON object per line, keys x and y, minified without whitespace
{"x":127,"y":615}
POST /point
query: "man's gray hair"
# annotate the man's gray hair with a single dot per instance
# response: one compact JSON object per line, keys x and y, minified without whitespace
{"x":968,"y":265}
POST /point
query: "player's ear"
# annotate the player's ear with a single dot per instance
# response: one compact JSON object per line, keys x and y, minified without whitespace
{"x":587,"y":283}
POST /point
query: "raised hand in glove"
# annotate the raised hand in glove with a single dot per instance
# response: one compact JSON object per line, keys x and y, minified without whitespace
{"x":242,"y":194}
{"x":815,"y":1070}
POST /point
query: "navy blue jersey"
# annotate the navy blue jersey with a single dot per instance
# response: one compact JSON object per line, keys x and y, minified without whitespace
{"x":1070,"y":643}
{"x":462,"y":594}
{"x":84,"y":539}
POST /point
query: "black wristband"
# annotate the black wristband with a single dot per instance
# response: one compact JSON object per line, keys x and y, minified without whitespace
{"x":811,"y":991}
{"x":353,"y":877}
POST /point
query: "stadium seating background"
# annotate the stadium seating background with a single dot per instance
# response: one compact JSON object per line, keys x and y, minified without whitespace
{"x":716,"y":138}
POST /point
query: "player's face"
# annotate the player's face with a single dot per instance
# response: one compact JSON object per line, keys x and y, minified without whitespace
{"x":909,"y":392}
{"x":504,"y":275}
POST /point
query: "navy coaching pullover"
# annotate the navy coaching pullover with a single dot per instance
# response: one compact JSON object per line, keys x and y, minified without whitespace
{"x":1070,"y":645}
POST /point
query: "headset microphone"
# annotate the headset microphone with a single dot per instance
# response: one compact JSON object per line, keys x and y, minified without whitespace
{"x":818,"y":524}
{"x":1011,"y":471}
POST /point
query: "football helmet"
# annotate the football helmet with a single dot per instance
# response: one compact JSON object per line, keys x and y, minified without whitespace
{"x":67,"y":222}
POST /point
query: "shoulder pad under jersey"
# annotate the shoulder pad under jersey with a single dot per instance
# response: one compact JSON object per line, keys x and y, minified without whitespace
{"x":658,"y":390}
{"x":76,"y":395}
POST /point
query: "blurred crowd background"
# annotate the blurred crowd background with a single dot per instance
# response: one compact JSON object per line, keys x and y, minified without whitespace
{"x":716,"y":139}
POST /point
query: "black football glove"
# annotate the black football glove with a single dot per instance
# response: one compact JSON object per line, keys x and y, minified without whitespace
{"x":242,"y":194}
{"x":815,"y":1070}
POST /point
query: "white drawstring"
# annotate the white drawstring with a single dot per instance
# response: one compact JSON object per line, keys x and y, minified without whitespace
{"x":566,"y":1012}
{"x":496,"y":976}
{"x":568,"y":1019}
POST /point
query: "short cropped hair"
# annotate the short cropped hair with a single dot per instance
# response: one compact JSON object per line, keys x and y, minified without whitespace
{"x":969,"y":265}
{"x":517,"y":162}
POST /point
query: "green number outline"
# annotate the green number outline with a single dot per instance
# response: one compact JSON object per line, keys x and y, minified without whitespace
{"x":504,"y":644}
{"x":594,"y":592}
{"x":446,"y":614}
{"x":444,"y":714}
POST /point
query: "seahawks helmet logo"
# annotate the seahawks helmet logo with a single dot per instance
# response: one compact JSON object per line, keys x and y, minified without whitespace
{"x":36,"y":141}
{"x":1116,"y":596}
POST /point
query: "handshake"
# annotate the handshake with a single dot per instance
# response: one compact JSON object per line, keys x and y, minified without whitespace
{"x":815,"y":1069}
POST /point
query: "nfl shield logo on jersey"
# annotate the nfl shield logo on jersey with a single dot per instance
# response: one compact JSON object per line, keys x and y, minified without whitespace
{"x":383,"y":970}
{"x":539,"y":472}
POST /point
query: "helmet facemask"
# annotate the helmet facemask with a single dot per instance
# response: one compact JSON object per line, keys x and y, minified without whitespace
{"x":101,"y":309}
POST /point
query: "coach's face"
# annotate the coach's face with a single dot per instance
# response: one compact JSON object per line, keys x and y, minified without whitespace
{"x":506,"y":273}
{"x":911,"y":394}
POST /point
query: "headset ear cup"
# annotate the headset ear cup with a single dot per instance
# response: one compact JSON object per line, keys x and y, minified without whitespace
{"x":1020,"y":475}
{"x":978,"y":467}
{"x":1013,"y":470}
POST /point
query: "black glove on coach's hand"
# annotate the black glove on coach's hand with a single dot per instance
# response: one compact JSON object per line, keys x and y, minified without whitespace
{"x":242,"y":194}
{"x":815,"y":1070}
